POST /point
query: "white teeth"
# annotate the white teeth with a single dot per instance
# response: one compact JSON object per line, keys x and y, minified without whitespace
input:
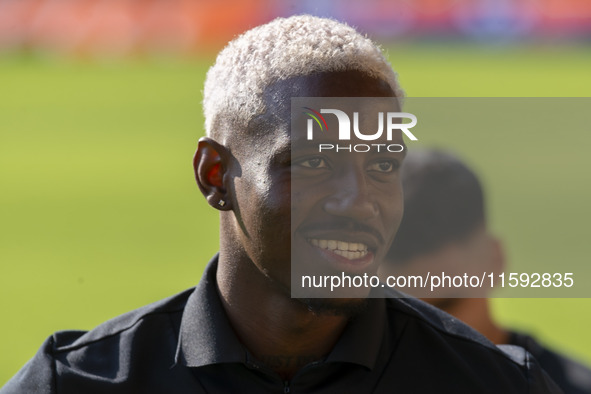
{"x":349,"y":255}
{"x":349,"y":250}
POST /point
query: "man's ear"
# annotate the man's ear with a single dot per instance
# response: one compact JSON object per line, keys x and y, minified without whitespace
{"x":210,"y":165}
{"x":497,"y":255}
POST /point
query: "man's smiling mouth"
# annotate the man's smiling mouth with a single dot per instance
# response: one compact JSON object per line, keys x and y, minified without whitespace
{"x":349,"y":250}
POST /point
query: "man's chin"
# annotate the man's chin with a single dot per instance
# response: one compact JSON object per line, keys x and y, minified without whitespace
{"x":348,"y":307}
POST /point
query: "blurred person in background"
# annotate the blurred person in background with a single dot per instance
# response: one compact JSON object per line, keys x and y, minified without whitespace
{"x":444,"y":227}
{"x":240,"y":330}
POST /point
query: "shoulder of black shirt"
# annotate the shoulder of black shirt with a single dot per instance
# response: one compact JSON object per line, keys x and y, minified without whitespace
{"x":430,"y":344}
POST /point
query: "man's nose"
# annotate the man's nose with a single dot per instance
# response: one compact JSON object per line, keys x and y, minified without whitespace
{"x":352,"y":197}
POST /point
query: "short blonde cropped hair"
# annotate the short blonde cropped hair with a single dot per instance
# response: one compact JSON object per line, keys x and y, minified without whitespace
{"x":284,"y":48}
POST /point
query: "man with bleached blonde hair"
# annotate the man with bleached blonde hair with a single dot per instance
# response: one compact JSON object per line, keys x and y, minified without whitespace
{"x":240,"y":330}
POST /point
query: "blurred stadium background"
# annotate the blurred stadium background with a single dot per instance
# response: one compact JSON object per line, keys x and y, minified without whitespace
{"x":100,"y":114}
{"x":109,"y":27}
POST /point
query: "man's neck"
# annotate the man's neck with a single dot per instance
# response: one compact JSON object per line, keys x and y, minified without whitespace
{"x":279,"y":331}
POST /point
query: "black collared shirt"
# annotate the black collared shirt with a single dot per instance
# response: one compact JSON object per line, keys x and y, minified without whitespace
{"x":185,"y":344}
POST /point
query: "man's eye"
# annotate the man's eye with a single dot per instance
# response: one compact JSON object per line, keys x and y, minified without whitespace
{"x":315,"y":162}
{"x":383,"y":166}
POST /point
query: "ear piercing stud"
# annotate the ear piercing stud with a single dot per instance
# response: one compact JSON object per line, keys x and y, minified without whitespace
{"x":221,"y":203}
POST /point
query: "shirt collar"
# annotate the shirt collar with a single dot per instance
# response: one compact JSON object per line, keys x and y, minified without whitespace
{"x":363,"y":338}
{"x":206,"y":336}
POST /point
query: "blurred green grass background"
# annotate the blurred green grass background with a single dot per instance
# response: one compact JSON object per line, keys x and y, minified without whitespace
{"x":99,"y":212}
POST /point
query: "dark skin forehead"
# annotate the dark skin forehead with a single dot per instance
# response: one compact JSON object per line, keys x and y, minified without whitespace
{"x":277,"y":97}
{"x":350,"y":83}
